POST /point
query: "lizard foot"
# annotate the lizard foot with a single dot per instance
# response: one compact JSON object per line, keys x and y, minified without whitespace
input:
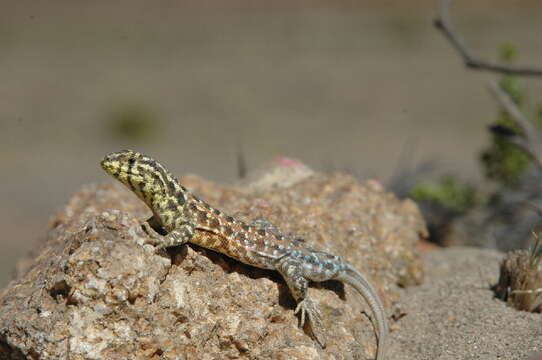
{"x":309,"y":310}
{"x":154,"y":237}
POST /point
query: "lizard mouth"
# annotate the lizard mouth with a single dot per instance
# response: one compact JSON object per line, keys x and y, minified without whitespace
{"x":106,"y":164}
{"x":110,"y":165}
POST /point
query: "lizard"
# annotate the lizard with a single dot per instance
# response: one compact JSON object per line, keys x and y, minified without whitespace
{"x":183,"y":218}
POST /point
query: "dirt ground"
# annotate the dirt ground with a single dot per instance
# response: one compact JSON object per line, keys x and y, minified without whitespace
{"x":454,"y":315}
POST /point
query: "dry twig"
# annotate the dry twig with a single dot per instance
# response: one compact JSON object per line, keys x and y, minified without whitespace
{"x":442,"y":22}
{"x":530,"y":140}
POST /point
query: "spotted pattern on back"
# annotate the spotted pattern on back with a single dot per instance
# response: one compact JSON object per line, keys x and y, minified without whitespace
{"x":173,"y":205}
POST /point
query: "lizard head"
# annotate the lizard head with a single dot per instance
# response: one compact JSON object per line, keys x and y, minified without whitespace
{"x":129,"y":167}
{"x":147,"y":178}
{"x":120,"y":164}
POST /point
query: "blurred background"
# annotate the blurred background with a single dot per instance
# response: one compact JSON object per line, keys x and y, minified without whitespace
{"x":367,"y":86}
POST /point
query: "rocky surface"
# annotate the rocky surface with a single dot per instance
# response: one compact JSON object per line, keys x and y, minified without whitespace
{"x":92,"y":290}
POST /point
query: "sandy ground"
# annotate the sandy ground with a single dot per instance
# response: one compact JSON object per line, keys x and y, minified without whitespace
{"x":454,"y":315}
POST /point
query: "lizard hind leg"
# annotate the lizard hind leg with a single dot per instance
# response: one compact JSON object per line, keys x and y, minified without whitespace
{"x":275,"y":230}
{"x":292,"y":272}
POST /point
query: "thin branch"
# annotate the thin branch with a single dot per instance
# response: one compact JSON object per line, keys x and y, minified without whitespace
{"x":531,"y":139}
{"x":442,"y":22}
{"x":508,"y":104}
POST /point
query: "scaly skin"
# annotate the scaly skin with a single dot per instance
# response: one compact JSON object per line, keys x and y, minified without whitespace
{"x":186,"y":218}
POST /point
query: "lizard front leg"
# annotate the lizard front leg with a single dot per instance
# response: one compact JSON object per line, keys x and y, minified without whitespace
{"x":179,"y":236}
{"x":292,"y":271}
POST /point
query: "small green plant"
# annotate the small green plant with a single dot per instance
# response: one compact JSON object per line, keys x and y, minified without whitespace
{"x":132,"y":122}
{"x":538,"y":115}
{"x":536,"y":251}
{"x":503,"y":161}
{"x":448,"y":192}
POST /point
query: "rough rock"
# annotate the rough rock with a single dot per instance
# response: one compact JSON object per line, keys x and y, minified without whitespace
{"x":93,"y":290}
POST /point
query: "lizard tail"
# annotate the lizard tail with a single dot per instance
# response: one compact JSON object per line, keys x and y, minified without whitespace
{"x":355,"y":279}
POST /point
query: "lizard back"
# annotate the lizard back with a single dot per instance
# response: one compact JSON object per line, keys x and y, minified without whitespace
{"x":172,"y":204}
